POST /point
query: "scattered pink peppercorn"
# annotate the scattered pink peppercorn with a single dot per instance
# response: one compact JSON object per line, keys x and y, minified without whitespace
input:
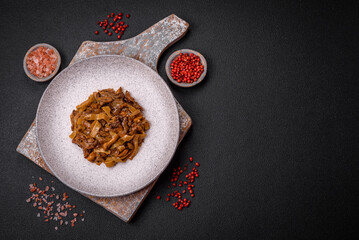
{"x":181,"y":201}
{"x":111,"y":23}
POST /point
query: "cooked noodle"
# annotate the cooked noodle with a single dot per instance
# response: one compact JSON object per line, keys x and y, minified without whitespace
{"x":109,"y":126}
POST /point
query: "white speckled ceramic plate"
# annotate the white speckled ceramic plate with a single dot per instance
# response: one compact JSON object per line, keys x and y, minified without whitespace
{"x":73,"y":86}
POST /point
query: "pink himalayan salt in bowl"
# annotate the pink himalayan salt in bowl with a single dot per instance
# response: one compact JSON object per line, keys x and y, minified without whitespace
{"x":41,"y":62}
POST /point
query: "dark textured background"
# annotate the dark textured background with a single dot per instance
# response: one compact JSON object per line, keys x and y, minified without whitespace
{"x":275,"y":123}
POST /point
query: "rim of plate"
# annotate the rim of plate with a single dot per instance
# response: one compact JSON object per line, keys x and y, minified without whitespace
{"x":143,"y":185}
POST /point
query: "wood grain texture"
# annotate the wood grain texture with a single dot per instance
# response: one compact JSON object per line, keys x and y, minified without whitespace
{"x":147,"y":48}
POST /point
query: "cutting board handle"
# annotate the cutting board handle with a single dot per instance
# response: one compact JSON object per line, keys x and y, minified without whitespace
{"x":146,"y":47}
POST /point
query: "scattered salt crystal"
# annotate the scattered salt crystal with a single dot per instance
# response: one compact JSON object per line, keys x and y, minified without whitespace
{"x":40,"y":197}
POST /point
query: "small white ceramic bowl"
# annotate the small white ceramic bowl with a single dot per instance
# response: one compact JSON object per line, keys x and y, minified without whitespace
{"x":35,"y":78}
{"x":183,"y":51}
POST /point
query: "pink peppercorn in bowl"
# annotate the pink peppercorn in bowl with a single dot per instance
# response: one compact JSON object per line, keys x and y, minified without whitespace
{"x":41,"y":62}
{"x":184,"y":52}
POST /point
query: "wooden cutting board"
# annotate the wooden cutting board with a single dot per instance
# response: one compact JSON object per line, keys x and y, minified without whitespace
{"x":146,"y":47}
